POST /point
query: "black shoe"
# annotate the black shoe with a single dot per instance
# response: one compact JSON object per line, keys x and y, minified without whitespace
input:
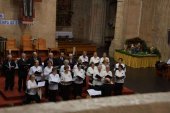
{"x":19,"y":90}
{"x":5,"y":89}
{"x":11,"y":89}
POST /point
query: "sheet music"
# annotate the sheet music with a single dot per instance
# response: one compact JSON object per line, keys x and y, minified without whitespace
{"x":93,"y":92}
{"x":41,"y":84}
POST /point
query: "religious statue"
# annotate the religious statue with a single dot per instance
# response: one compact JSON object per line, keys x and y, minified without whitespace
{"x":28,"y":8}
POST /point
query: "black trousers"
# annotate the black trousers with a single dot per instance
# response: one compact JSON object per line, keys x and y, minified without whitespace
{"x":52,"y":95}
{"x":9,"y":79}
{"x":22,"y":78}
{"x":118,"y":88}
{"x":65,"y":91}
{"x":46,"y":88}
{"x":31,"y":98}
{"x":78,"y":89}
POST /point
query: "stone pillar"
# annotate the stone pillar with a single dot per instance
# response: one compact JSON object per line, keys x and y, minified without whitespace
{"x":98,"y":15}
{"x":117,"y":42}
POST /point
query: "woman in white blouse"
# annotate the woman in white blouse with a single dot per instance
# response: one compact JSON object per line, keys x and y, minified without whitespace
{"x":66,"y":63}
{"x":104,"y":58}
{"x":119,"y":80}
{"x":47,"y":71}
{"x":32,"y":91}
{"x":79,"y":76}
{"x":108,"y":73}
{"x":66,"y":82}
{"x":95,"y":59}
{"x":90,"y":73}
{"x":98,"y":78}
{"x":36,"y":70}
{"x":53,"y":80}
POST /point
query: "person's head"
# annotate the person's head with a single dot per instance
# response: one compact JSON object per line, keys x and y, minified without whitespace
{"x":54,"y":70}
{"x":92,"y":64}
{"x":120,"y":60}
{"x":79,"y":66}
{"x":9,"y":57}
{"x":95,"y":54}
{"x":107,"y":81}
{"x":104,"y":54}
{"x":62,"y":54}
{"x":107,"y":68}
{"x":99,"y":67}
{"x":49,"y":63}
{"x":120,"y":67}
{"x":36,"y":63}
{"x":70,"y":56}
{"x":66,"y":68}
{"x":34,"y":54}
{"x":50,"y":55}
{"x":79,"y":61}
{"x":84,"y":53}
{"x":32,"y":77}
{"x":23,"y":55}
{"x":66,"y":62}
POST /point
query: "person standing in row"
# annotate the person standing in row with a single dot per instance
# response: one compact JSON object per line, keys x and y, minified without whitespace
{"x":66,"y":82}
{"x":9,"y":71}
{"x":95,"y":59}
{"x":46,"y":73}
{"x":119,"y":80}
{"x":54,"y":79}
{"x":32,"y":91}
{"x":79,"y":76}
{"x":22,"y":72}
{"x":34,"y":57}
{"x":36,"y":70}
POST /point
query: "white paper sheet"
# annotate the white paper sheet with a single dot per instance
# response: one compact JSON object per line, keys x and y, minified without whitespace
{"x":93,"y":92}
{"x":41,"y":84}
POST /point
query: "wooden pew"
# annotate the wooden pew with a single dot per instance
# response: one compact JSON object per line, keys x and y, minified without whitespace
{"x":27,"y":44}
{"x":11,"y":47}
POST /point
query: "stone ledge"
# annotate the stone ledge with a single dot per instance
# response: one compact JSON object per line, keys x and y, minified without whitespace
{"x":139,"y":103}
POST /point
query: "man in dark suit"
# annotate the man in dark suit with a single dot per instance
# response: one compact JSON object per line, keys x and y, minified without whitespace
{"x":34,"y":57}
{"x":72,"y":61}
{"x":50,"y":58}
{"x":22,"y":72}
{"x":60,"y":60}
{"x":9,"y":71}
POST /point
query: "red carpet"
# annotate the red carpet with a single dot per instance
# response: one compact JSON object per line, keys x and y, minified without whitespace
{"x":14,"y":98}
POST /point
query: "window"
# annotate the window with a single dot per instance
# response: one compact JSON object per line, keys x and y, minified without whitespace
{"x":64,"y":13}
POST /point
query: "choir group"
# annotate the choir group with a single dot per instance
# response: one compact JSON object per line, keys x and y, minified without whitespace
{"x":63,"y":76}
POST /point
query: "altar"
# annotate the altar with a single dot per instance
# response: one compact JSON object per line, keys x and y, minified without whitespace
{"x":137,"y":61}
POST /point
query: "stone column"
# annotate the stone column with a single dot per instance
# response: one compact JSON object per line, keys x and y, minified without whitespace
{"x":98,"y":15}
{"x":117,"y":42}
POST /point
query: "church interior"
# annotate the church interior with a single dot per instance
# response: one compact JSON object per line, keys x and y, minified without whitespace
{"x":114,"y":48}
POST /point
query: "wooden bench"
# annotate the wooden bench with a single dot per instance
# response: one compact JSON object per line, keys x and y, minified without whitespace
{"x":11,"y":47}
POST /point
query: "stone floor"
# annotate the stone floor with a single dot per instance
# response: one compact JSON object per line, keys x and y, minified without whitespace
{"x":144,"y":80}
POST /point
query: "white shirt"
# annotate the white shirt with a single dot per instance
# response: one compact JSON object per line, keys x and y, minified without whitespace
{"x":53,"y":78}
{"x":117,"y":66}
{"x":80,"y":73}
{"x":103,"y":67}
{"x":120,"y":74}
{"x":33,"y":69}
{"x":102,"y":59}
{"x":66,"y":77}
{"x":97,"y":81}
{"x":95,"y":60}
{"x":31,"y":87}
{"x":90,"y":71}
{"x":108,"y":73}
{"x":168,"y":61}
{"x":62,"y":69}
{"x":47,"y":71}
{"x":84,"y":59}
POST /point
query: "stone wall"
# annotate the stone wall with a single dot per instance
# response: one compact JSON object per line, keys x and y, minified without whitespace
{"x":140,"y":103}
{"x":44,"y":23}
{"x":147,"y":19}
{"x":155,"y":23}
